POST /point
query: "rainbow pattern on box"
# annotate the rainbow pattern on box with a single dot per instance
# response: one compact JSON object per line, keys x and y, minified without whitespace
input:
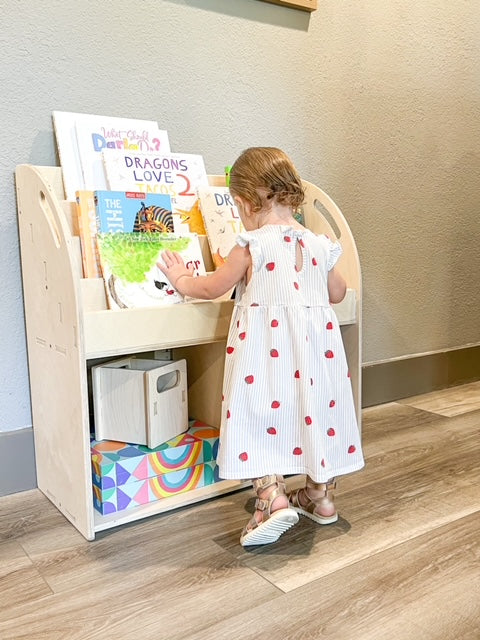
{"x":142,"y":492}
{"x":127,"y":475}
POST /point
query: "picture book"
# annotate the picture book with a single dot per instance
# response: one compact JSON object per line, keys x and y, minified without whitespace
{"x":132,"y":211}
{"x":82,"y":137}
{"x":175,"y":174}
{"x":87,"y":224}
{"x":129,"y":264}
{"x":221,"y":219}
{"x":66,"y":138}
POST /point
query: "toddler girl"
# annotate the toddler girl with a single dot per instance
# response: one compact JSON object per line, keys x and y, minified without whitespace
{"x":287,"y":404}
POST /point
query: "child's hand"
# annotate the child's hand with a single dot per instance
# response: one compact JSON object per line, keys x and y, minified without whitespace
{"x":174,"y":268}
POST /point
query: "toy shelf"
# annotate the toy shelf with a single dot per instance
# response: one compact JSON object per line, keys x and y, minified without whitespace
{"x":69,"y":329}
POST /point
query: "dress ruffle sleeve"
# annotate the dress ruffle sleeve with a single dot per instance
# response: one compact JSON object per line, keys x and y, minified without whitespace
{"x":244,"y":239}
{"x":334,"y":252}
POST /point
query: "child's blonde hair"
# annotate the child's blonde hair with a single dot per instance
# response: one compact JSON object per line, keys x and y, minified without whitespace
{"x":263,"y":174}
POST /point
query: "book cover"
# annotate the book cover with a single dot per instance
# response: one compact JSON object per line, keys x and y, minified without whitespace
{"x":81,"y":138}
{"x":175,"y":174}
{"x":129,"y":264}
{"x":97,"y":133}
{"x":87,"y":225}
{"x":133,"y":211}
{"x":221,"y":219}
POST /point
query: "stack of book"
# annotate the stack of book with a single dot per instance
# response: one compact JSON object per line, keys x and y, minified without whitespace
{"x":135,"y":198}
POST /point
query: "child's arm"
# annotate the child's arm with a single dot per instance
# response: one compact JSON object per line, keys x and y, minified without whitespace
{"x":337,"y":287}
{"x":205,"y":287}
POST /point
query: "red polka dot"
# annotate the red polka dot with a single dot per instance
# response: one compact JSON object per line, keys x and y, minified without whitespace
{"x":297,"y":374}
{"x":287,"y":239}
{"x":308,"y":420}
{"x":275,"y":404}
{"x":331,"y":432}
{"x":322,"y":462}
{"x":297,"y":451}
{"x":272,"y":431}
{"x":249,"y":379}
{"x":230,"y":349}
{"x":242,"y":335}
{"x":274,"y":323}
{"x":300,"y":242}
{"x":254,"y":304}
{"x":329,"y":325}
{"x":243,"y":456}
{"x":296,"y":285}
{"x":311,"y":382}
{"x":270,"y":266}
{"x":331,"y":403}
{"x":329,"y":354}
{"x":348,"y":374}
{"x":274,"y":353}
{"x":238,"y":323}
{"x":228,"y":413}
{"x":314,"y":262}
{"x":351,"y":449}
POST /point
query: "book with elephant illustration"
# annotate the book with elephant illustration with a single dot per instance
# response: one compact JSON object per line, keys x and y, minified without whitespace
{"x":130,"y":272}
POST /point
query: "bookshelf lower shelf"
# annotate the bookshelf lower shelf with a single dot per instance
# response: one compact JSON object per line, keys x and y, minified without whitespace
{"x":101,"y":523}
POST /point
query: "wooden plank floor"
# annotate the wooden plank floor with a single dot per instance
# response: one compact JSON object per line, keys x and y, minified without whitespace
{"x":402,"y":563}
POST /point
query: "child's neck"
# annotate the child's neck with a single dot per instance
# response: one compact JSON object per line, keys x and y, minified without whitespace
{"x":277,"y":214}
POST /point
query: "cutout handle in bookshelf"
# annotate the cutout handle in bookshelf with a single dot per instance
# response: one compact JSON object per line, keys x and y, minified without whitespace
{"x":328,"y":217}
{"x":50,"y":218}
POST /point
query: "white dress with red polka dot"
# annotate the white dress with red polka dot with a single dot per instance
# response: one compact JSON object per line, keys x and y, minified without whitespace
{"x":287,"y":402}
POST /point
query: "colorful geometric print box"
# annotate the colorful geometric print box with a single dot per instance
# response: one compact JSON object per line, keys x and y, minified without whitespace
{"x":127,"y":475}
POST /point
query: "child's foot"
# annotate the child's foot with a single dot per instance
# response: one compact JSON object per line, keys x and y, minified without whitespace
{"x":273,"y":515}
{"x":315,"y":501}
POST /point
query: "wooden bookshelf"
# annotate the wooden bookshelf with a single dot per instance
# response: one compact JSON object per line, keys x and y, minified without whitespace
{"x":69,"y":328}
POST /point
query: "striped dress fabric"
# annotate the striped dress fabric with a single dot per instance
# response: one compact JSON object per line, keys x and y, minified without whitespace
{"x":287,"y":398}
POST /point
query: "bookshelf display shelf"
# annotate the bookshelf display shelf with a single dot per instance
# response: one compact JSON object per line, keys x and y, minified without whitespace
{"x":69,"y":329}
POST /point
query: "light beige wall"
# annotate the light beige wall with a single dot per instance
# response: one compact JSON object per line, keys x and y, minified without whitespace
{"x":403,"y":161}
{"x":377,"y":102}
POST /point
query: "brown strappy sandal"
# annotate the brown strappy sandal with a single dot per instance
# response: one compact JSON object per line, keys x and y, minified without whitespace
{"x":321,"y":509}
{"x":272,"y":525}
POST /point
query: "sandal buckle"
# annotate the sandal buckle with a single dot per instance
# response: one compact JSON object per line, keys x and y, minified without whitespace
{"x":261,"y":504}
{"x":264,"y":482}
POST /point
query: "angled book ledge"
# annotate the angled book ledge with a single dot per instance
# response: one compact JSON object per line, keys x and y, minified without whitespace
{"x":69,"y":328}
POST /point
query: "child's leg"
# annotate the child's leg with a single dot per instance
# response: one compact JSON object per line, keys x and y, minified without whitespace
{"x":273,"y":515}
{"x":315,"y":501}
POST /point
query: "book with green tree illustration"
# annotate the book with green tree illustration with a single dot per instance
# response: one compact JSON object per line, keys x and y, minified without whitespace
{"x":129,"y":266}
